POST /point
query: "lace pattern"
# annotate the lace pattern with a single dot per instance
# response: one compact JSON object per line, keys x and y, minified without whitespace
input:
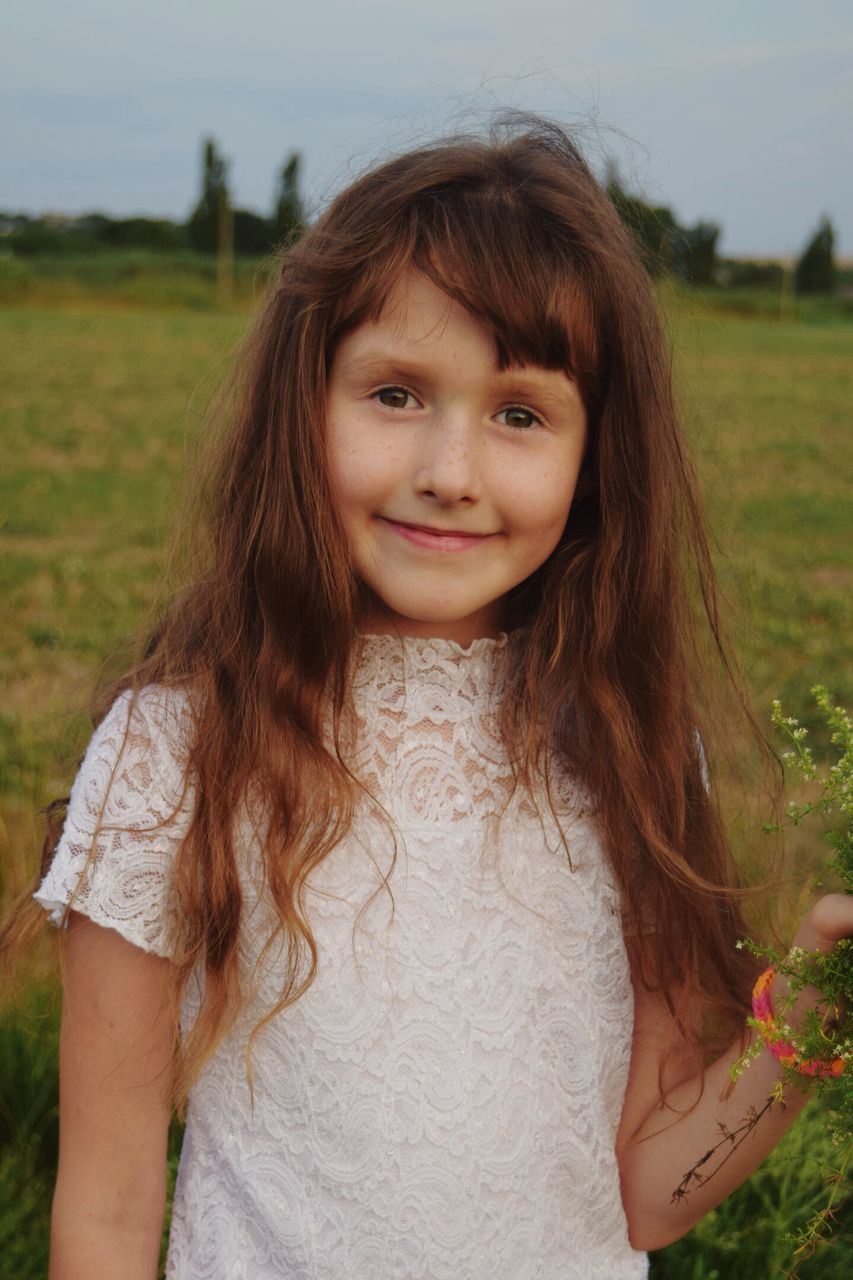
{"x":443,"y":1101}
{"x":129,"y":810}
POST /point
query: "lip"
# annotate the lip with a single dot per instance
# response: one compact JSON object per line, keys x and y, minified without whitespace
{"x":436,"y":539}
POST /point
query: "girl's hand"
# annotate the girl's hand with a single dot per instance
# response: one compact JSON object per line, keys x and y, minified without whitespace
{"x":830,"y":920}
{"x":656,"y":1142}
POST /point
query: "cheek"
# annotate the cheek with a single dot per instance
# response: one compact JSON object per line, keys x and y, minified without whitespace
{"x":361,"y":454}
{"x":539,"y":505}
{"x":348,"y":464}
{"x":365,"y":479}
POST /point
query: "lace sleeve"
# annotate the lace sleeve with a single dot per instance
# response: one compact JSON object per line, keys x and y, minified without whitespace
{"x":129,"y":810}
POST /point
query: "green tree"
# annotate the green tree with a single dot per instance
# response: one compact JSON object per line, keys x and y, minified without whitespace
{"x":815,"y":271}
{"x":699,"y":262}
{"x":653,"y":226}
{"x":288,"y":214}
{"x":203,"y":225}
{"x":690,"y":252}
{"x":253,"y":234}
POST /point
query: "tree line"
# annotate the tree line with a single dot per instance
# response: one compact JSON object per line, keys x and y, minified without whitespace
{"x":251,"y":234}
{"x":691,"y":252}
{"x":216,"y":226}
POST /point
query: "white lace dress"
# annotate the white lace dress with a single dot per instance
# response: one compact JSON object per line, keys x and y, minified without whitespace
{"x":443,"y":1101}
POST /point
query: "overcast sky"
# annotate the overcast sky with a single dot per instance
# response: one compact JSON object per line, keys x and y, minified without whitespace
{"x":735,"y":110}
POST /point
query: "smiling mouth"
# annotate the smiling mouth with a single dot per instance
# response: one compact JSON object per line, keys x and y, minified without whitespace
{"x":435,"y":539}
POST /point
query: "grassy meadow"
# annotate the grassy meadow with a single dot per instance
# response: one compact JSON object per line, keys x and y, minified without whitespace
{"x":104,"y":391}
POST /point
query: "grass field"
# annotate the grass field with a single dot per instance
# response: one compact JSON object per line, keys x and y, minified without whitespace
{"x":101,"y":406}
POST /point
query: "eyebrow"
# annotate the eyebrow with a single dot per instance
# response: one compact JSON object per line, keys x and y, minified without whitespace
{"x":375,"y":365}
{"x":521,"y":380}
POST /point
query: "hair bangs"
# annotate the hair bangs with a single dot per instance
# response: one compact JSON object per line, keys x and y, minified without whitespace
{"x":489,"y":254}
{"x":486,"y":251}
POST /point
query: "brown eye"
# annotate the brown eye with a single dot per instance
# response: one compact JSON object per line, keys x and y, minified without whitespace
{"x":520,"y":419}
{"x":393,"y":397}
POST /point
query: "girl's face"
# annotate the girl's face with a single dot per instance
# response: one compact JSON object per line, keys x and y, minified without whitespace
{"x":453,"y":481}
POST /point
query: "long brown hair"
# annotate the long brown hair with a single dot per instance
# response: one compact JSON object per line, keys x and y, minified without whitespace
{"x":517,"y":230}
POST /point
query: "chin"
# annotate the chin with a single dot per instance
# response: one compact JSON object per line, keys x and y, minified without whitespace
{"x":432,"y":624}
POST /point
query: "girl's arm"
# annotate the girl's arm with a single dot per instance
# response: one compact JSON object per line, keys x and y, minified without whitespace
{"x":116,"y":1048}
{"x":657,"y":1143}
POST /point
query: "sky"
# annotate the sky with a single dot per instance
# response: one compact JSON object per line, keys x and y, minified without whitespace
{"x":737,"y":111}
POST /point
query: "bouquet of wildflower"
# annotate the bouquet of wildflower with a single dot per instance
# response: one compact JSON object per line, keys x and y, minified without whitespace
{"x":821,"y":1039}
{"x":818,"y":1054}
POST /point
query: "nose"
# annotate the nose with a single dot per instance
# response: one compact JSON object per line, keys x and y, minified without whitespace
{"x":448,"y":465}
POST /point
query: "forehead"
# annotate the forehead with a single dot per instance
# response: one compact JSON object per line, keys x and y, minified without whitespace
{"x":414,"y":314}
{"x":415,"y":309}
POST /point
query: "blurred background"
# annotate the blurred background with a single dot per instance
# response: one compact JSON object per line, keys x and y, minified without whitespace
{"x":153,"y":159}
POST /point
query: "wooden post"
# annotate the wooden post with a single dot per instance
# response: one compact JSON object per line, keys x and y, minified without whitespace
{"x":225,"y":252}
{"x":786,"y":293}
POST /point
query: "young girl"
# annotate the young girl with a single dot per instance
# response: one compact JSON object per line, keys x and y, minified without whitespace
{"x":401,"y":826}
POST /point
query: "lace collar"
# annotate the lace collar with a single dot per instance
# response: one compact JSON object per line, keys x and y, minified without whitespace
{"x":431,"y":677}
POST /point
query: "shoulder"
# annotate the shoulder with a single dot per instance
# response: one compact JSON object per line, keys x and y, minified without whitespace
{"x":144,"y":719}
{"x":143,"y":742}
{"x":129,"y":812}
